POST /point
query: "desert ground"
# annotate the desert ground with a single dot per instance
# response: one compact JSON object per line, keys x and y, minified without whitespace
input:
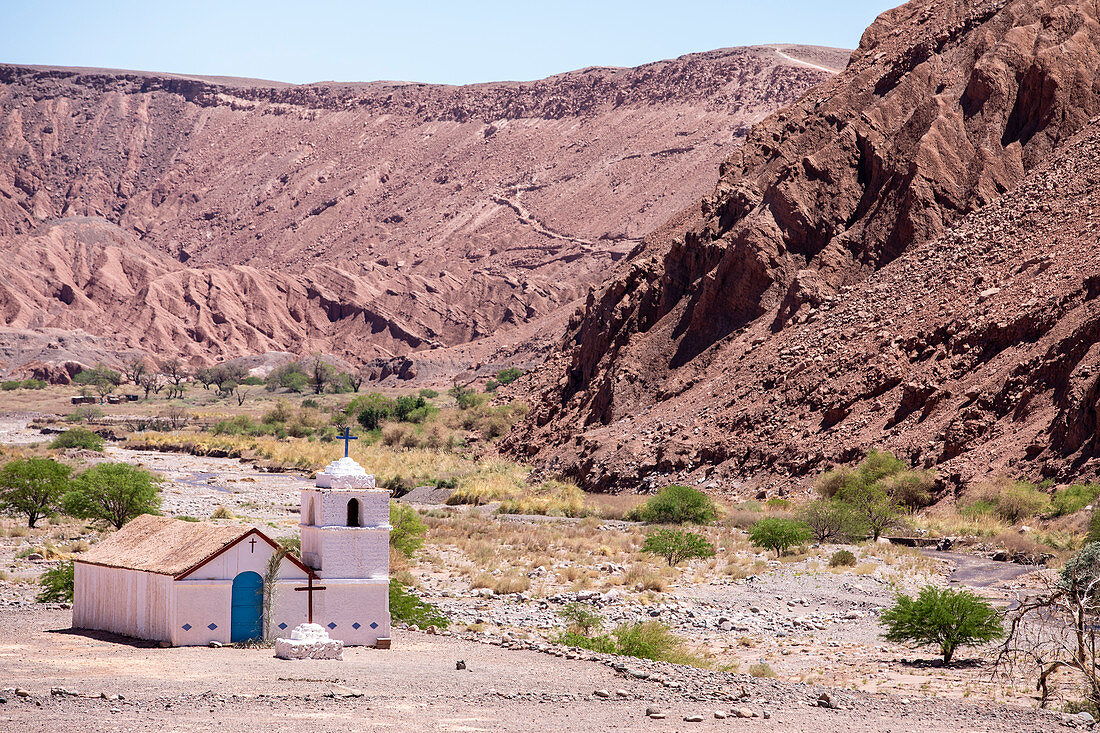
{"x":774,"y":635}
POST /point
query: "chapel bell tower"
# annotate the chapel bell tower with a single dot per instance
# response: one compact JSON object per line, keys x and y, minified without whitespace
{"x":345,"y":524}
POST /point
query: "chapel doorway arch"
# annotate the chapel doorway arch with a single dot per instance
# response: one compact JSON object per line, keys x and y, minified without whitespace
{"x":246,"y":618}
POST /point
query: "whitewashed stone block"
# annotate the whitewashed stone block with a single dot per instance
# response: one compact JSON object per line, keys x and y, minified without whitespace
{"x":309,"y":641}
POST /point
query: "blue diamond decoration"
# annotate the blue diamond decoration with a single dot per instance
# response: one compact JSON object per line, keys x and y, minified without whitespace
{"x":282,"y":626}
{"x":331,"y":624}
{"x":187,"y":627}
{"x":355,"y":626}
{"x":212,"y":626}
{"x":374,"y":624}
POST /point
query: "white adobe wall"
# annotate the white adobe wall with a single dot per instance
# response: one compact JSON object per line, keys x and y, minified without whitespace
{"x":204,"y":598}
{"x":330,"y":507}
{"x":128,"y":602}
{"x":347,"y":552}
{"x":347,"y":603}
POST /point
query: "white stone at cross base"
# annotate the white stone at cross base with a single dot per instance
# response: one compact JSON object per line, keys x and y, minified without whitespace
{"x":309,"y":641}
{"x":345,"y":473}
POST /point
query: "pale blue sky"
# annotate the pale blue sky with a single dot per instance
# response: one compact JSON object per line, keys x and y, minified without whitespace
{"x":446,"y":42}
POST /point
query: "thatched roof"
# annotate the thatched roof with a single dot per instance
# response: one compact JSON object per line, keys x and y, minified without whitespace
{"x":168,"y":546}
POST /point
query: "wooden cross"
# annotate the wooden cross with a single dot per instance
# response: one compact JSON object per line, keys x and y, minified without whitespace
{"x":347,"y":437}
{"x":253,"y":543}
{"x":310,"y":589}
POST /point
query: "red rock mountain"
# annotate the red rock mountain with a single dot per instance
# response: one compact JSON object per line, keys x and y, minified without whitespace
{"x":215,"y":217}
{"x":905,"y":258}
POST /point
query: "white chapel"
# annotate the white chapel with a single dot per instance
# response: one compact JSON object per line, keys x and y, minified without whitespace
{"x":191,"y":583}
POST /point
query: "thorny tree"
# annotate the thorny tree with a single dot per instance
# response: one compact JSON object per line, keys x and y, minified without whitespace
{"x":1057,"y":629}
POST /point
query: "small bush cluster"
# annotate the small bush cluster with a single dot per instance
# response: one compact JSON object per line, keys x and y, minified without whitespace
{"x":1073,"y":499}
{"x":373,"y":409}
{"x":648,"y":640}
{"x":15,"y":384}
{"x":113,"y":493}
{"x":281,"y":421}
{"x":867,"y":500}
{"x":842,"y":559}
{"x":407,"y":608}
{"x":677,"y":504}
{"x":1003,"y":497}
{"x":78,"y":438}
{"x":676,"y":545}
{"x":57,"y":584}
{"x":776,"y":533}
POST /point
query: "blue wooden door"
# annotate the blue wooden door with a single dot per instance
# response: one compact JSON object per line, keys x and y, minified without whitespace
{"x":246,"y":621}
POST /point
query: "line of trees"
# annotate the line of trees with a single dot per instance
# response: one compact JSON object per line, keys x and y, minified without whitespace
{"x":112,"y":493}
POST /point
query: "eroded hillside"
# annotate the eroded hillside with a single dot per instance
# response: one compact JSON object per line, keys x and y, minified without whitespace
{"x":449,"y":212}
{"x":834,"y":295}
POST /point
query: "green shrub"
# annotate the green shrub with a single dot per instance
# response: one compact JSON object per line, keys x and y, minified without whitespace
{"x":428,"y":394}
{"x":78,"y":438}
{"x":872,"y":508}
{"x":10,"y":385}
{"x":830,"y":520}
{"x":407,"y":608}
{"x":407,"y":535}
{"x":880,"y":464}
{"x":912,"y":489}
{"x":1073,"y":499}
{"x":603,"y":643}
{"x":101,"y":377}
{"x":830,"y":482}
{"x":509,"y":375}
{"x":466,"y":397}
{"x":675,"y":545}
{"x":943,"y":617}
{"x":778,"y":534}
{"x":113,"y":493}
{"x":581,"y":618}
{"x":885,"y":471}
{"x":842,"y":559}
{"x":32,"y":487}
{"x":1010,"y":500}
{"x":57,"y":584}
{"x":1094,"y":527}
{"x":648,"y":640}
{"x":777,"y":504}
{"x":677,"y":504}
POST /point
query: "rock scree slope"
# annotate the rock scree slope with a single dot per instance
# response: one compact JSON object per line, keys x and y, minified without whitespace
{"x":212,"y":217}
{"x":904,"y":258}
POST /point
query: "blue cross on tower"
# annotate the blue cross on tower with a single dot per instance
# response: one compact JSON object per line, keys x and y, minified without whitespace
{"x":347,"y":437}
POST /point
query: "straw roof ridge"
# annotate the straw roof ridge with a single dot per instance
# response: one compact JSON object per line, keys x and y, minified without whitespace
{"x":162,"y":545}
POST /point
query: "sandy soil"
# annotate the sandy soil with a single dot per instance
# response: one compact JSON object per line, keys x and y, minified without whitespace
{"x":413,"y":686}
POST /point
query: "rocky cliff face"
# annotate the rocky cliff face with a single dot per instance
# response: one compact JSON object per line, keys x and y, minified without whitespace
{"x":449,"y":212}
{"x":695,"y":363}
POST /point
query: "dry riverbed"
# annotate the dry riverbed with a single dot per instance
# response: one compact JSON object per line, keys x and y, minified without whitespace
{"x":813,"y":627}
